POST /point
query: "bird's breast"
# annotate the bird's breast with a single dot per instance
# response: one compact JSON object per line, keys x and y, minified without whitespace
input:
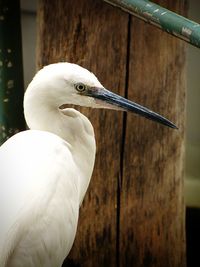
{"x":39,"y":200}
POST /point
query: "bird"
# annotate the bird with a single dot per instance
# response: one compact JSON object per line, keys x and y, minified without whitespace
{"x":45,"y":170}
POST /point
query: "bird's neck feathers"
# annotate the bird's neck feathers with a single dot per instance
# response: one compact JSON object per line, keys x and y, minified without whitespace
{"x":70,"y":125}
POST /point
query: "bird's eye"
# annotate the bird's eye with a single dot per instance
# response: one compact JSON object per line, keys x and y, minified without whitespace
{"x":80,"y":87}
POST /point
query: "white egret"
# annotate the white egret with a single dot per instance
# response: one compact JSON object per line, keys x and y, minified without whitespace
{"x":45,"y":171}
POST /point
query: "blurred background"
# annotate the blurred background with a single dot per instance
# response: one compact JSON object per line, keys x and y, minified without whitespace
{"x":192,"y":161}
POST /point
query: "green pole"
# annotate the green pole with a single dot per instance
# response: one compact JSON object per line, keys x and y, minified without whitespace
{"x":168,"y":21}
{"x":11,"y":71}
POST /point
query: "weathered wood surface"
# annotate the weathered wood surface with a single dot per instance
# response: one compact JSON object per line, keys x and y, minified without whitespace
{"x":94,"y":35}
{"x":152,"y":227}
{"x":133,"y":212}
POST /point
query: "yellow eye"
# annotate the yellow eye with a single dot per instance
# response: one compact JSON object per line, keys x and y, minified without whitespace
{"x":80,"y":87}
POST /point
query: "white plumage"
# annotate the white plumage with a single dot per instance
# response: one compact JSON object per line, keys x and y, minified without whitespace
{"x":45,"y":171}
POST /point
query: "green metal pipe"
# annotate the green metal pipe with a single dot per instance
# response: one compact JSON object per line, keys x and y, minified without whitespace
{"x":168,"y":21}
{"x":11,"y":71}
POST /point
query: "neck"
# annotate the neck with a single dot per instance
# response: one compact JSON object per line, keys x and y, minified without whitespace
{"x":70,"y":125}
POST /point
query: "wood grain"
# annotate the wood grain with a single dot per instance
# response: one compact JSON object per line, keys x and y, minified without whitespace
{"x":133,"y":212}
{"x":152,"y":229}
{"x":94,"y":35}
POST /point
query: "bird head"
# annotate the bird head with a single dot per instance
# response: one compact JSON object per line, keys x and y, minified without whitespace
{"x":66,"y":83}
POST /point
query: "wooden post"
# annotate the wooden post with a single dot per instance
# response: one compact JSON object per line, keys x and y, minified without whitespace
{"x":94,"y":35}
{"x":133,"y":213}
{"x":152,"y":217}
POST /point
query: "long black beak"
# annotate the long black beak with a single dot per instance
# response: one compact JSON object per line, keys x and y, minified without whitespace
{"x":124,"y":104}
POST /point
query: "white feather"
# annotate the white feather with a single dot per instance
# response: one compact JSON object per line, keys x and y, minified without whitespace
{"x":45,"y":171}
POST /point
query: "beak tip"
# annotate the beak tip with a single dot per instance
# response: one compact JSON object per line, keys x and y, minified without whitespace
{"x":172,"y":125}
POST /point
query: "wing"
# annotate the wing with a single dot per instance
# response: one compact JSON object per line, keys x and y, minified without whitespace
{"x":38,"y":179}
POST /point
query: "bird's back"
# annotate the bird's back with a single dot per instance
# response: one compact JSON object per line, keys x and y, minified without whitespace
{"x":39,"y":200}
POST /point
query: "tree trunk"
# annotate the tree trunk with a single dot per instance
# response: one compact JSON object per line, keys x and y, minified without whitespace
{"x":133,"y":212}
